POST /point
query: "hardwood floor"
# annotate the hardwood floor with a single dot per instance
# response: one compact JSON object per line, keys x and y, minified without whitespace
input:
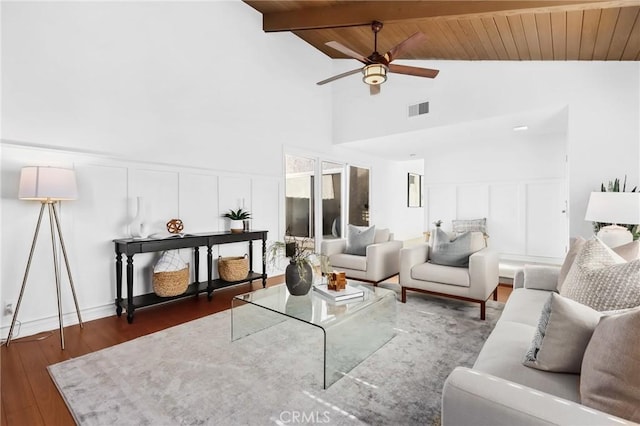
{"x":29,"y":396}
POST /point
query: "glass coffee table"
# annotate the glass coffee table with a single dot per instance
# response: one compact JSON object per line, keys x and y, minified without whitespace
{"x":352,"y":329}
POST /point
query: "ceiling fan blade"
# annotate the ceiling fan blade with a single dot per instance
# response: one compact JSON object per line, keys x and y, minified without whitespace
{"x":400,"y":48}
{"x":344,"y":49}
{"x":418,"y":72}
{"x":335,"y":77}
{"x":374,"y":89}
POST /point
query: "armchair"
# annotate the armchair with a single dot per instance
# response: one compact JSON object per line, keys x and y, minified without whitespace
{"x":474,"y":283}
{"x":380,"y":262}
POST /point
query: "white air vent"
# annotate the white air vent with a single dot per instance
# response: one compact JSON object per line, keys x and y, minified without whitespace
{"x":418,"y":109}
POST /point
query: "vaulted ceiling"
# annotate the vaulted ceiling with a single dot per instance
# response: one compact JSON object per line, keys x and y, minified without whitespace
{"x":466,"y":30}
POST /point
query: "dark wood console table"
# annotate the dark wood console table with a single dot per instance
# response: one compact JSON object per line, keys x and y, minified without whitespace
{"x":130,"y":246}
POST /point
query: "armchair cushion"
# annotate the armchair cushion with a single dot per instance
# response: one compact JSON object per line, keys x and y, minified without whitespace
{"x":382,"y":236}
{"x":358,"y":239}
{"x":441,"y":274}
{"x":349,"y":261}
{"x":454,"y":252}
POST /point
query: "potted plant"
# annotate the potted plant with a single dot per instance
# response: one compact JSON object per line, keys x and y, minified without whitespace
{"x":302,"y":259}
{"x":237,"y":218}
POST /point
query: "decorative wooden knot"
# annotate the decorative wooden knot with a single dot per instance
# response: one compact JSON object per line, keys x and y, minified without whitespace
{"x":337,"y":281}
{"x":175,"y":226}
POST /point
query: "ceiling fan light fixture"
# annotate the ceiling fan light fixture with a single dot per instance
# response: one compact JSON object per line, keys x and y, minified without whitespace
{"x":374,"y":74}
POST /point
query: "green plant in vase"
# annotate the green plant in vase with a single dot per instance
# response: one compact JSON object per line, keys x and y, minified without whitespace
{"x":302,"y":259}
{"x":237,"y":218}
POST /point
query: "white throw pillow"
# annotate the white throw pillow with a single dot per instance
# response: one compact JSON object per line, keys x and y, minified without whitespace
{"x":564,"y":330}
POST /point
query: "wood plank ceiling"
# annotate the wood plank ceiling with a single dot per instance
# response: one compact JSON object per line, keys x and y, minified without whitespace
{"x":467,"y":30}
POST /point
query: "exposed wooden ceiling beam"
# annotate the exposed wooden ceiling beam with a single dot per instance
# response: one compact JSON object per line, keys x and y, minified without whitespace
{"x":354,"y":13}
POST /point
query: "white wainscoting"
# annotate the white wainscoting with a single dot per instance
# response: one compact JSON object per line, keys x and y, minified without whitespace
{"x":108,"y":191}
{"x":526,"y":220}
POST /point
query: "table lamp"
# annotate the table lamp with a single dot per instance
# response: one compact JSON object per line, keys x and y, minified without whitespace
{"x":614,"y":208}
{"x":49,"y":185}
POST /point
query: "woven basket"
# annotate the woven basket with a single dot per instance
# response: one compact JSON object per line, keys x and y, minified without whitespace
{"x":233,"y":268}
{"x":172,"y":283}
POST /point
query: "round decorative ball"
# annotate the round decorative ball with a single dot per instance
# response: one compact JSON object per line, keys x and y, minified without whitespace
{"x":175,"y":226}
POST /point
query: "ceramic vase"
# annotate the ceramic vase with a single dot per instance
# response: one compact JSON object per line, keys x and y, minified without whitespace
{"x":138,"y":228}
{"x":298,"y":278}
{"x":236,"y":226}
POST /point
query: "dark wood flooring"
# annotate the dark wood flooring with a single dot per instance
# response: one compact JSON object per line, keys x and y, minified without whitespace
{"x":28,"y":395}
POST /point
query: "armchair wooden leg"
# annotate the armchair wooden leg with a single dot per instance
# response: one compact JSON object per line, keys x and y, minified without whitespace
{"x":495,"y":294}
{"x":404,"y":295}
{"x":482,"y":310}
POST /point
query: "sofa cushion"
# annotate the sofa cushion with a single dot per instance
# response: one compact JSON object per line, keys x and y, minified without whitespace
{"x":348,"y":261}
{"x":574,"y":249}
{"x":610,"y":379}
{"x":629,"y":251}
{"x":358,"y":239}
{"x":603,"y":280}
{"x":441,"y":274}
{"x":524,"y":306}
{"x":564,"y":330}
{"x":454,"y":252}
{"x":382,"y":236}
{"x":502,"y":354}
{"x":541,"y":277}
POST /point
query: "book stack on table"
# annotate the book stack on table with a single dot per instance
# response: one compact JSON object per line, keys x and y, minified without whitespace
{"x":348,"y":293}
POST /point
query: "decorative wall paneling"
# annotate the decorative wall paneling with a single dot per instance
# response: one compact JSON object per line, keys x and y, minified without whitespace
{"x":526,"y":220}
{"x":108,"y":191}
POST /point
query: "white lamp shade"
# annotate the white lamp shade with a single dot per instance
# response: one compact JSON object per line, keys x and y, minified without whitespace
{"x":47,"y":183}
{"x":614,"y":207}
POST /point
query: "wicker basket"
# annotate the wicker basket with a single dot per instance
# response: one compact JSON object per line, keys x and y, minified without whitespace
{"x":233,"y":268}
{"x":172,"y":283}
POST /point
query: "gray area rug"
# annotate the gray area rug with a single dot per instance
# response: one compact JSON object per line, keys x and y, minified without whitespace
{"x":192,"y":374}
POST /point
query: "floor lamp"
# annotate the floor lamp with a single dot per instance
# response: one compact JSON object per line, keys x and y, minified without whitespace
{"x":49,"y":185}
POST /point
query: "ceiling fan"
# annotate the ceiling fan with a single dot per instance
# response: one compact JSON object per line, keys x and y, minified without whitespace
{"x":376,"y":65}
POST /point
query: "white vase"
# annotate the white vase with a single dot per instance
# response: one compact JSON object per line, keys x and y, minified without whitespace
{"x":236,"y":226}
{"x":138,"y":228}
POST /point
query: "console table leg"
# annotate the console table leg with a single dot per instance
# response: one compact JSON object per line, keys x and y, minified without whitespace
{"x":264,"y":262}
{"x":196,"y":266}
{"x":130,"y":307}
{"x":118,"y":283}
{"x":209,"y":273}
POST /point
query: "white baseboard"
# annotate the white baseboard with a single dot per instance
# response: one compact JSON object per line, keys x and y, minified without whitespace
{"x":29,"y":328}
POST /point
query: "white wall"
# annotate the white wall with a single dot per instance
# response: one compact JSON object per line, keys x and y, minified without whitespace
{"x":192,"y":83}
{"x":408,"y":222}
{"x":188,"y":104}
{"x":106,"y":204}
{"x":602,"y":100}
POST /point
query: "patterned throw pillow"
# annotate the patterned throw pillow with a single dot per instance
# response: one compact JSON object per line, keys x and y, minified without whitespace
{"x":461,"y":226}
{"x":601,"y":279}
{"x":358,"y":239}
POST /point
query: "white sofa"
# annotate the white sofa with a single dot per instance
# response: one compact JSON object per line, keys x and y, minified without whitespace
{"x":499,"y":390}
{"x":379,"y":263}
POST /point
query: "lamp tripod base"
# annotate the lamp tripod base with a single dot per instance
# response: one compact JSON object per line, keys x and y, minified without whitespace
{"x":53,"y":220}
